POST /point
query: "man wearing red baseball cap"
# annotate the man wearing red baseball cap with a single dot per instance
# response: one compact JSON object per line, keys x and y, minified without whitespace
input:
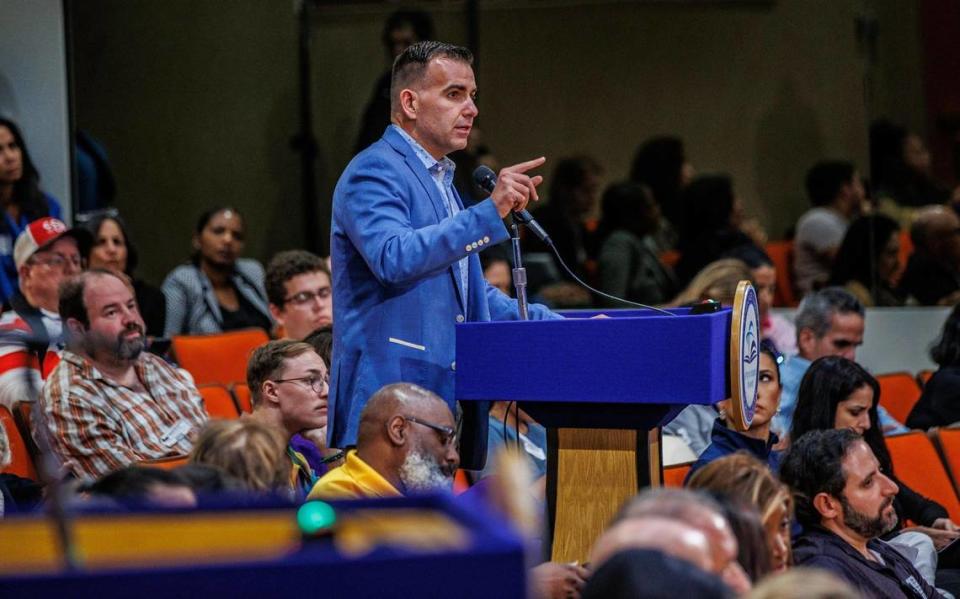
{"x":45,"y":253}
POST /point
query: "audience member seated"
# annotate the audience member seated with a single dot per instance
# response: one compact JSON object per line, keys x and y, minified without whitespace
{"x":21,"y":199}
{"x":629,"y":261}
{"x":509,"y":426}
{"x":645,"y":573}
{"x":745,"y":478}
{"x":406,"y":443}
{"x":868,"y":262}
{"x":45,"y":254}
{"x":829,"y":323}
{"x":298,"y":288}
{"x":139,"y":486}
{"x":573,"y":198}
{"x":774,"y":328}
{"x":932,"y":276}
{"x":288,"y":389}
{"x":108,"y":404}
{"x":322,"y":342}
{"x":804,"y":583}
{"x":661,"y":164}
{"x":845,"y":503}
{"x":497,"y":270}
{"x":249,"y":451}
{"x":900,"y":167}
{"x":753,"y":553}
{"x":757,"y":440}
{"x":114,"y":250}
{"x":837,"y":393}
{"x":837,"y":195}
{"x":939,"y":404}
{"x":217,"y":291}
{"x":718,"y":281}
{"x":702,"y":513}
{"x":713,"y":224}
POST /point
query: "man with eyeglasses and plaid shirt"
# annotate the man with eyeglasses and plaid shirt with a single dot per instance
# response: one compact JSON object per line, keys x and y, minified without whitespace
{"x":406,"y":444}
{"x":45,"y":253}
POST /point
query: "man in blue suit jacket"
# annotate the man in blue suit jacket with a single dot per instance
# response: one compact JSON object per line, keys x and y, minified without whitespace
{"x":404,"y":250}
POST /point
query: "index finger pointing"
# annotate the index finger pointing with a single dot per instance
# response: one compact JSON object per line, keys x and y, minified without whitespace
{"x":525,"y":166}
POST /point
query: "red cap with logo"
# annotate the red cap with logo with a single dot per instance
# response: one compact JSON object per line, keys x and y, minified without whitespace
{"x":41,"y":233}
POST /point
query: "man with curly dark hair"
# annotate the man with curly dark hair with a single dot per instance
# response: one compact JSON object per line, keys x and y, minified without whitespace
{"x":299,"y":292}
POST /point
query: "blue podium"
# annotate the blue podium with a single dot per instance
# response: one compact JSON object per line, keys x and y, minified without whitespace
{"x":602,"y":387}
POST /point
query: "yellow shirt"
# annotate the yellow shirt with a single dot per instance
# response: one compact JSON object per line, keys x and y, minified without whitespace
{"x":354,"y":480}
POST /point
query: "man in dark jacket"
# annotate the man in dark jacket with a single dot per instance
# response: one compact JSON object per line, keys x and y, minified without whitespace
{"x":845,"y":503}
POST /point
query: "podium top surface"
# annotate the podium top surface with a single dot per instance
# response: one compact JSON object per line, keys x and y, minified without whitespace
{"x":632,"y":357}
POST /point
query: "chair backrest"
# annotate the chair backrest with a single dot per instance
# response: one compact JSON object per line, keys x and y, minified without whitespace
{"x":781,"y":253}
{"x":906,"y":247}
{"x":923,"y":377}
{"x":219,"y":401}
{"x":899,"y":392}
{"x":670,"y":258}
{"x":241,"y":392}
{"x":948,"y":442}
{"x":167,"y":463}
{"x":916,"y":463}
{"x":22,"y":464}
{"x":218,"y":358}
{"x":673,"y":476}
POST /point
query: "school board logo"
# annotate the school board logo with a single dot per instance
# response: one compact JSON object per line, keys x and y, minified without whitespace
{"x":744,"y":355}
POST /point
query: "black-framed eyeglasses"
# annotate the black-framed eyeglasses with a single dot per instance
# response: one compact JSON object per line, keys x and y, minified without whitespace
{"x":319,"y":384}
{"x":306,"y":297}
{"x":448,"y":435}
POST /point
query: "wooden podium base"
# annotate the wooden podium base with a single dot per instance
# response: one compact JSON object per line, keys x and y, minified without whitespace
{"x":592,"y":472}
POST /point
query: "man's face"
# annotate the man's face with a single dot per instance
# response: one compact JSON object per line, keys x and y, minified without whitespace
{"x":301,"y":406}
{"x":444,"y":106}
{"x":842,"y":339}
{"x":432,"y":459}
{"x":44,"y":271}
{"x":308,"y":304}
{"x":116,"y":329}
{"x":867,"y":498}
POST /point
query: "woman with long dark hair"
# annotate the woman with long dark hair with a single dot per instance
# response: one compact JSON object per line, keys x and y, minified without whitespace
{"x":939,"y":405}
{"x":217,"y":291}
{"x":21,"y":199}
{"x":868,"y":261}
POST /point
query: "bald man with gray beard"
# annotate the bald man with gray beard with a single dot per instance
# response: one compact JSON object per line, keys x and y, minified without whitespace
{"x":406,"y":444}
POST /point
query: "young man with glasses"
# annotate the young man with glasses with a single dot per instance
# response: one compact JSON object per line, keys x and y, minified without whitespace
{"x":406,"y":443}
{"x":45,"y":253}
{"x":288,"y":389}
{"x":299,"y":292}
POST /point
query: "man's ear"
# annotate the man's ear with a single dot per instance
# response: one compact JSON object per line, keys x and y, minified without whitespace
{"x":270,"y":392}
{"x":806,"y":341}
{"x":75,"y":327}
{"x":397,"y":430}
{"x":828,"y":506}
{"x":277,"y":313}
{"x":409,"y":103}
{"x":24,"y":272}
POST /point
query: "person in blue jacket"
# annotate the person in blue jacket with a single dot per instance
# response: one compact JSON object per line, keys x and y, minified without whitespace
{"x":758,"y":440}
{"x":405,"y":251}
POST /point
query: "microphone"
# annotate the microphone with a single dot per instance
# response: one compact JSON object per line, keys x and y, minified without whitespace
{"x":487,"y":180}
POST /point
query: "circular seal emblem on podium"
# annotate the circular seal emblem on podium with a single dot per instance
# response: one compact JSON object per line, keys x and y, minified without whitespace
{"x":744,"y":356}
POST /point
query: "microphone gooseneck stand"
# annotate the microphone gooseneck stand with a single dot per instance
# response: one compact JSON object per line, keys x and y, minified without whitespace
{"x":519,"y":272}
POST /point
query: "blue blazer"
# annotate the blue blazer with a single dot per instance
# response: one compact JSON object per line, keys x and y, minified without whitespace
{"x":396,"y":284}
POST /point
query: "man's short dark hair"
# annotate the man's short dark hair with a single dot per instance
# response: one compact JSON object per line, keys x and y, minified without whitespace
{"x":826,"y":179}
{"x":412,"y":63}
{"x":322,"y":341}
{"x":134,"y":483}
{"x":817,"y":309}
{"x":813,"y":465}
{"x":267,"y":361}
{"x":286,"y":265}
{"x":71,"y":304}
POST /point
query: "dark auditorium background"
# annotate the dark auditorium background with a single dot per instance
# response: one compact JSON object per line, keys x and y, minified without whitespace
{"x":196,"y":101}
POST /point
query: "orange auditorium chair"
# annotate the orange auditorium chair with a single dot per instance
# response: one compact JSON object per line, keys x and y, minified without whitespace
{"x":22,"y":464}
{"x":673,"y":476}
{"x":167,"y":463}
{"x":781,"y":253}
{"x":219,"y":401}
{"x":923,"y":377}
{"x":916,"y":464}
{"x":948,"y":442}
{"x":217,"y":358}
{"x":899,"y":392}
{"x":242,"y":394}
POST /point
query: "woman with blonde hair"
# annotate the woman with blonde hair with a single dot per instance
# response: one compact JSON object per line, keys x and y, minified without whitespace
{"x":743,"y":477}
{"x":248,"y":450}
{"x":718,"y":281}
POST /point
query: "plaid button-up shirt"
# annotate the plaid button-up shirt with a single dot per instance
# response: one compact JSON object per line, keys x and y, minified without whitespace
{"x":96,"y":425}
